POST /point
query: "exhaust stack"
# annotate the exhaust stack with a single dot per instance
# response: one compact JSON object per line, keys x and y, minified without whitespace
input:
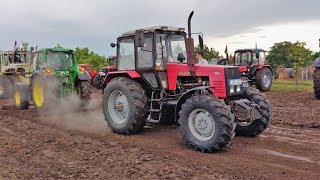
{"x":190,"y":47}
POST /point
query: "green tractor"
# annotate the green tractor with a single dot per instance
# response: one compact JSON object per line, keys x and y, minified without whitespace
{"x":56,"y":75}
{"x":13,"y":66}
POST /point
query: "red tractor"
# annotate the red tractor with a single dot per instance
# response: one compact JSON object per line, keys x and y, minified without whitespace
{"x":157,"y":79}
{"x":98,"y":80}
{"x":252,"y":66}
{"x":89,"y":69}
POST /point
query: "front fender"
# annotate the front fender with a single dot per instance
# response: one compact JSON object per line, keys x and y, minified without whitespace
{"x":317,"y":63}
{"x":84,"y":77}
{"x":187,"y":95}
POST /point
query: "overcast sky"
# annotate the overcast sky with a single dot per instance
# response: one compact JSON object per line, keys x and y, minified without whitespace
{"x":96,"y":23}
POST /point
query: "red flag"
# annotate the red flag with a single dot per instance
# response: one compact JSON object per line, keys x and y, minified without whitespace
{"x":15,"y":45}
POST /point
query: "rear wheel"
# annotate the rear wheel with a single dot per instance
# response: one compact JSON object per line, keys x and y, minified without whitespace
{"x":125,"y":106}
{"x":97,"y":82}
{"x":40,"y":93}
{"x":206,"y":123}
{"x":256,"y":127}
{"x":6,"y":87}
{"x":264,"y":79}
{"x":84,"y":92}
{"x":20,"y":101}
{"x":316,"y":82}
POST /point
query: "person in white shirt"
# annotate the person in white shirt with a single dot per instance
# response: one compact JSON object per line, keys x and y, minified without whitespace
{"x":201,"y":60}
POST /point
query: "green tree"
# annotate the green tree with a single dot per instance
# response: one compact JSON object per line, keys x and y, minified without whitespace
{"x":84,"y":55}
{"x":290,"y":54}
{"x":208,"y":53}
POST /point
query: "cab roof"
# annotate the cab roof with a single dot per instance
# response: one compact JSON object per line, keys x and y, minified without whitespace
{"x":154,"y":28}
{"x":54,"y":49}
{"x":250,"y":50}
{"x":11,"y":52}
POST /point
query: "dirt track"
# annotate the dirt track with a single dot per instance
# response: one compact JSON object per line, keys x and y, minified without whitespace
{"x":34,"y":145}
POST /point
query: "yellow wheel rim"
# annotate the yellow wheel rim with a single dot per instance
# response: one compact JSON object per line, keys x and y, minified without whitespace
{"x":17,"y":97}
{"x":38,"y":94}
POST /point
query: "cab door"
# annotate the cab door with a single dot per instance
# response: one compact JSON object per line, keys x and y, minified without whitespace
{"x":145,"y":62}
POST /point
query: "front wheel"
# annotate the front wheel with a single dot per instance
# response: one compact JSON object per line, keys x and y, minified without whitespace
{"x":125,"y":106}
{"x":206,"y":123}
{"x":264,"y":79}
{"x":256,"y":127}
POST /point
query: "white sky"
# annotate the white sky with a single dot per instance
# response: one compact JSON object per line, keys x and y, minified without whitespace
{"x":266,"y":36}
{"x":96,"y":23}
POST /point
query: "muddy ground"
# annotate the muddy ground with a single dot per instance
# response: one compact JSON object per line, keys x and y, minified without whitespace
{"x":80,"y":145}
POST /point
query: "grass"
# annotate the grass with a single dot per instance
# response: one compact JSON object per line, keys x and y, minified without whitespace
{"x":290,"y":85}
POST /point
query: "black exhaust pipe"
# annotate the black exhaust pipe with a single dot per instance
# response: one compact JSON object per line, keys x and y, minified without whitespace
{"x":190,"y":47}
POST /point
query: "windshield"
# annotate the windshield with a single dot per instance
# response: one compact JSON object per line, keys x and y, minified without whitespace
{"x":20,"y":58}
{"x":242,"y":57}
{"x":169,"y":46}
{"x":59,"y":60}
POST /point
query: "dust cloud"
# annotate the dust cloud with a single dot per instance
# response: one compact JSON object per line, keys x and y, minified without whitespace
{"x":68,"y":114}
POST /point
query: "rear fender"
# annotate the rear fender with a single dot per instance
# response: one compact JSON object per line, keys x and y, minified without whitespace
{"x":262,"y":67}
{"x":83,"y":77}
{"x":111,"y":75}
{"x":187,"y":95}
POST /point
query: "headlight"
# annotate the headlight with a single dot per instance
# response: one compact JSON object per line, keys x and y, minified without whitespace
{"x":238,"y":88}
{"x":231,"y":89}
{"x":235,"y":85}
{"x":102,"y":74}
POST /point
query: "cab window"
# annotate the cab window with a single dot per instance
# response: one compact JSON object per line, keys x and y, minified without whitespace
{"x":126,"y":58}
{"x":145,"y":55}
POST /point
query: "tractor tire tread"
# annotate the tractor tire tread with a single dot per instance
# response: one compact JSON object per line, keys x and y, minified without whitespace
{"x":258,"y":126}
{"x":316,"y":82}
{"x":224,"y":115}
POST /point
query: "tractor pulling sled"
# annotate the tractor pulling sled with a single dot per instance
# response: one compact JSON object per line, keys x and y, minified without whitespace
{"x":13,"y":66}
{"x":55,"y":76}
{"x":157,"y":80}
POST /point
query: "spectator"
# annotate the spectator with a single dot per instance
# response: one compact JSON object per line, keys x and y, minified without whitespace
{"x":201,"y":60}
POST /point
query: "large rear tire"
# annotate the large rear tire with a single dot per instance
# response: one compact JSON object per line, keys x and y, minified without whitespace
{"x":84,"y":92}
{"x":125,"y":106}
{"x":264,"y":79}
{"x":44,"y":92}
{"x":316,"y":82}
{"x":21,"y":97}
{"x":96,"y":82}
{"x":6,"y":86}
{"x":206,"y":123}
{"x":257,"y":126}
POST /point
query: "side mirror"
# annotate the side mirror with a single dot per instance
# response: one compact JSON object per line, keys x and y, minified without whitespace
{"x":113,"y":45}
{"x":181,"y":57}
{"x":201,"y":43}
{"x":139,"y":38}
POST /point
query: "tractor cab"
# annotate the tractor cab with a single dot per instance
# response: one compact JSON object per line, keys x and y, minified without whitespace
{"x":249,"y":57}
{"x":252,"y":64}
{"x":12,"y":62}
{"x":157,"y":46}
{"x":54,"y":60}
